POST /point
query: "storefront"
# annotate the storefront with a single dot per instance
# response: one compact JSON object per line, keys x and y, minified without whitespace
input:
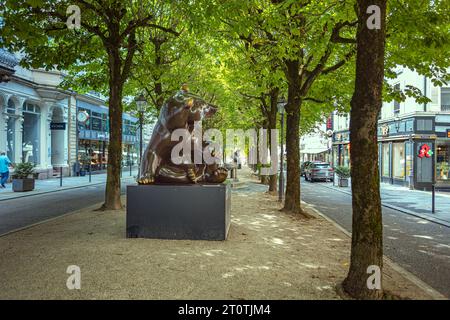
{"x":443,"y":160}
{"x":414,"y":151}
{"x":341,"y":149}
{"x":93,"y":138}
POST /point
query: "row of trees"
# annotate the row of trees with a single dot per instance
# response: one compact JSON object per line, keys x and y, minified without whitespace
{"x":244,"y":56}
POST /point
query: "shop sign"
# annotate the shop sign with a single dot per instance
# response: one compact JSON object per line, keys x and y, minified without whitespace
{"x":425,"y":151}
{"x":385,"y":130}
{"x":57,"y":126}
{"x":448,"y":133}
{"x":330,"y":123}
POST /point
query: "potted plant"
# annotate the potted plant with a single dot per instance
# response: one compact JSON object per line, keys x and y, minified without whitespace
{"x":85,"y":159}
{"x":23,"y":177}
{"x":344,"y":174}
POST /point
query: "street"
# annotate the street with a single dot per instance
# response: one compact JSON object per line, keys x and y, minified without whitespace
{"x":420,"y":246}
{"x":19,"y":213}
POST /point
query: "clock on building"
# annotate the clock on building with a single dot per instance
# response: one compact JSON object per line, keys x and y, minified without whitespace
{"x":82,"y":116}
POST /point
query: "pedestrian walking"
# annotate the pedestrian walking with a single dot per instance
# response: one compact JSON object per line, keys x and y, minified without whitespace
{"x":5,"y":163}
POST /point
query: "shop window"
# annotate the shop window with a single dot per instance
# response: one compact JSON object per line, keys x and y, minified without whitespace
{"x":409,"y":125}
{"x":398,"y":160}
{"x":443,"y":162}
{"x":386,"y":159}
{"x":30,"y":134}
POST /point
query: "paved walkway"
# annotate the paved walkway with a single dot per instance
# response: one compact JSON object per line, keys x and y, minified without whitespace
{"x":268,"y":255}
{"x":53,"y":185}
{"x":413,"y":202}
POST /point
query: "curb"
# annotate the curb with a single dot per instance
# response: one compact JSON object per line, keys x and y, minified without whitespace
{"x":424,"y":216}
{"x":55,"y":190}
{"x":93,"y":207}
{"x":436,"y":295}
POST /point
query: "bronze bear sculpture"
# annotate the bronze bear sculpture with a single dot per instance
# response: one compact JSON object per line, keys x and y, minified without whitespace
{"x":179,"y":112}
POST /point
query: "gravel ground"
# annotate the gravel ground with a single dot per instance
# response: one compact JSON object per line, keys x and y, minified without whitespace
{"x":268,"y":255}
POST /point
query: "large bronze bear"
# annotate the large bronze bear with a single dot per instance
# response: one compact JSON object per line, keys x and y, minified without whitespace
{"x":179,"y":112}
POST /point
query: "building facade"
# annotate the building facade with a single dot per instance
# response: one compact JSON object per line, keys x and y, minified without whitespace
{"x":315,"y":146}
{"x":39,"y":123}
{"x":413,"y":138}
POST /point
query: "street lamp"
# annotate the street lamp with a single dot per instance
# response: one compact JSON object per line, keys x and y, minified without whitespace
{"x":411,"y":162}
{"x":281,"y":106}
{"x":141,"y":103}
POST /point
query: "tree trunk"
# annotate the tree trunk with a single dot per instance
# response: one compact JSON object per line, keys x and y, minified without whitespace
{"x":112,"y":193}
{"x":272,"y":124}
{"x":367,"y":228}
{"x":292,"y":198}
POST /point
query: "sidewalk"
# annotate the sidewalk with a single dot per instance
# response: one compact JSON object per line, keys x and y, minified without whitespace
{"x":268,"y":255}
{"x":412,"y":202}
{"x":53,"y":185}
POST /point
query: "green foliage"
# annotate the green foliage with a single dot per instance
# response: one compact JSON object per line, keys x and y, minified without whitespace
{"x":23,"y":170}
{"x":343,"y":172}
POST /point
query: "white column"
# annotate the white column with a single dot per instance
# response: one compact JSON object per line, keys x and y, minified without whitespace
{"x":3,"y":125}
{"x":45,"y":135}
{"x":18,"y":134}
{"x":59,"y":140}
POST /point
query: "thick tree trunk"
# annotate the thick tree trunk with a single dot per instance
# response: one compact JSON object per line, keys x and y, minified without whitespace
{"x":367,"y":228}
{"x":112,"y":193}
{"x":272,"y":124}
{"x":292,"y":197}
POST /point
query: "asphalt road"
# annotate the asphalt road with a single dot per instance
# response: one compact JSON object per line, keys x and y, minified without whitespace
{"x":420,"y":246}
{"x":21,"y":212}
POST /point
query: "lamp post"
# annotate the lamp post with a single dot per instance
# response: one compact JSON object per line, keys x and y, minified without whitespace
{"x":411,"y":163}
{"x":281,"y":106}
{"x":141,"y":103}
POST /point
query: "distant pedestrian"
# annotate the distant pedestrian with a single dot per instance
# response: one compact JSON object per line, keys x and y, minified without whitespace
{"x":5,"y":163}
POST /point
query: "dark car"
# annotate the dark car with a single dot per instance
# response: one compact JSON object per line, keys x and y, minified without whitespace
{"x":319,"y":171}
{"x":303,"y":167}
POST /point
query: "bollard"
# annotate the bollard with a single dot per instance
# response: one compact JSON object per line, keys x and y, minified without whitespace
{"x":130,"y":169}
{"x":60,"y":176}
{"x":433,"y":194}
{"x":90,"y":170}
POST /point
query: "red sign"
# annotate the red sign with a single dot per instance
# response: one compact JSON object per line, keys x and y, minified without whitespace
{"x":330,"y":123}
{"x":425,"y":151}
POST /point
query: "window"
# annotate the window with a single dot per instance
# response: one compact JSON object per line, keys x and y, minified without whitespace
{"x":397,"y":103}
{"x":409,"y":125}
{"x":424,"y":125}
{"x":96,"y":121}
{"x":445,"y":99}
{"x":386,"y":159}
{"x":398,"y":160}
{"x":30,"y":134}
{"x":443,"y":162}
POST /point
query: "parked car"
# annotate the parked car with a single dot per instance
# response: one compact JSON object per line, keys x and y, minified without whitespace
{"x":319,"y":171}
{"x":303,"y":167}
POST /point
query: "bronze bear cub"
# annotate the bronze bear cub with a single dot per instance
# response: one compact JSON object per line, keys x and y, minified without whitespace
{"x":179,"y":112}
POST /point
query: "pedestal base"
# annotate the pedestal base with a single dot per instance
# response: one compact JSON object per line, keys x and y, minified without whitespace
{"x":190,"y":212}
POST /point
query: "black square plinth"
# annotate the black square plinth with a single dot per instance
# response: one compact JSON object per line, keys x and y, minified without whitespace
{"x":190,"y":212}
